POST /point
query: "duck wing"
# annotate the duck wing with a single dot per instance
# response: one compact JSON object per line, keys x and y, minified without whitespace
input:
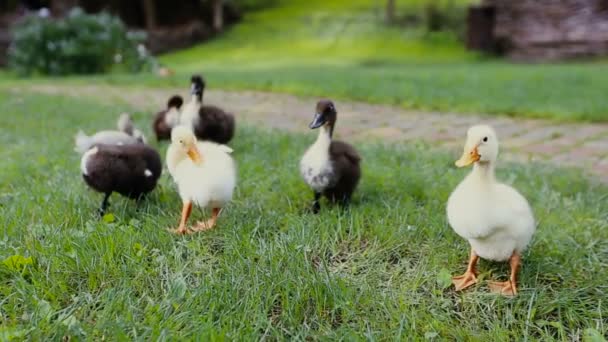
{"x":339,"y":149}
{"x":214,"y":124}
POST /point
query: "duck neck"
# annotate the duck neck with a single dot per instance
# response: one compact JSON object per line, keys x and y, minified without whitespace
{"x":197,"y":98}
{"x":173,"y":158}
{"x":325,"y":134}
{"x":190,"y":111}
{"x":484,"y":172}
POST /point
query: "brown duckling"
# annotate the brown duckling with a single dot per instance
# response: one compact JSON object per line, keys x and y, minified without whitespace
{"x":330,"y":167}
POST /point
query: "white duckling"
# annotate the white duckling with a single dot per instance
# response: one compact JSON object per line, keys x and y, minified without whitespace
{"x":205,"y":175}
{"x":495,"y":218}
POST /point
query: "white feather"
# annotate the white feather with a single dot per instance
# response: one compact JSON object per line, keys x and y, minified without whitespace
{"x":189,"y":114}
{"x":85,"y":159}
{"x":208,"y":184}
{"x":139,"y":135}
{"x":315,"y":165}
{"x":84,"y":142}
{"x":148,"y":173}
{"x":172,"y":117}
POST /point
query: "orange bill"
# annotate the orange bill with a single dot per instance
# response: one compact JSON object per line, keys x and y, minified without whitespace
{"x":194,"y":155}
{"x":468,"y":158}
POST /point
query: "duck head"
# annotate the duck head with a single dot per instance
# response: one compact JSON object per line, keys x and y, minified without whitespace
{"x":175,"y":101}
{"x":197,"y":86}
{"x":185,"y":141}
{"x":481,"y":146}
{"x":325,"y":115}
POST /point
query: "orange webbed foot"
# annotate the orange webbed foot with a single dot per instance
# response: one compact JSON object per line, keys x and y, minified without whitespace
{"x":463,"y":281}
{"x":505,"y":288}
{"x":204,"y":225}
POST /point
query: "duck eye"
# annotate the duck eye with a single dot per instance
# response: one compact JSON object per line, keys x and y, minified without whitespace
{"x":485,"y":139}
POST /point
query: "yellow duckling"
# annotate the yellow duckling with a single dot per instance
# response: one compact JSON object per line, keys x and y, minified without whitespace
{"x":205,"y":175}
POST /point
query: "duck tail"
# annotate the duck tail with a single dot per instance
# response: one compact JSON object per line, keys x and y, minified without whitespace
{"x":125,"y":123}
{"x":226,"y":148}
{"x":139,"y":135}
{"x":83,"y":142}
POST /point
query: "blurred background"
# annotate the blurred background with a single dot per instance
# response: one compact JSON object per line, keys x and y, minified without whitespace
{"x":489,"y":56}
{"x":523,"y":29}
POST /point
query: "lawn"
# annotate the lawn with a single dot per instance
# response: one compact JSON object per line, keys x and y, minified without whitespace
{"x":341,"y":48}
{"x":270,"y":270}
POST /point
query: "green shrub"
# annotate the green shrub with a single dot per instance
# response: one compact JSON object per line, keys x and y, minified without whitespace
{"x":77,"y":44}
{"x":434,"y":15}
{"x":444,"y":16}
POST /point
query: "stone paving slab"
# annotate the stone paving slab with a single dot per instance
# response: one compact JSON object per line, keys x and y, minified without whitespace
{"x":582,"y":145}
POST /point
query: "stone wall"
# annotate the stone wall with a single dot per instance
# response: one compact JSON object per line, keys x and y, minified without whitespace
{"x":551,"y":29}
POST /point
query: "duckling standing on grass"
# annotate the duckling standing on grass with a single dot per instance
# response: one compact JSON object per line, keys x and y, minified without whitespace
{"x":165,"y":120}
{"x":125,"y":135}
{"x":330,"y":167}
{"x":495,"y":218}
{"x":205,"y":175}
{"x":131,"y":170}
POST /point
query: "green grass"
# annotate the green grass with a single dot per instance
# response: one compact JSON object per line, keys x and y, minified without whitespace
{"x":270,"y":270}
{"x":340,"y":48}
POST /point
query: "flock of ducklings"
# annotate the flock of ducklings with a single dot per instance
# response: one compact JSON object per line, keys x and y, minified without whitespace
{"x":495,"y":218}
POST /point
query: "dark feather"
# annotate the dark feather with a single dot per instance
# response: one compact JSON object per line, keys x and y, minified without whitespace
{"x":161,"y":129}
{"x":346,"y":170}
{"x":122,"y":169}
{"x":214,"y":124}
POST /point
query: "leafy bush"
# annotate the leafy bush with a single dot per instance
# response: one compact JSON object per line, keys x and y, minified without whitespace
{"x":434,"y":15}
{"x":444,"y":16}
{"x":77,"y":44}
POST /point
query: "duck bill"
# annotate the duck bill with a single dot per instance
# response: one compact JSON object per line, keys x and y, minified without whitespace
{"x":468,"y":158}
{"x":195,"y":89}
{"x":317,"y":122}
{"x":194,"y":155}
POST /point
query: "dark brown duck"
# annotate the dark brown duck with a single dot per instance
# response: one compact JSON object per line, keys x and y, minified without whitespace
{"x":330,"y":167}
{"x":130,"y":170}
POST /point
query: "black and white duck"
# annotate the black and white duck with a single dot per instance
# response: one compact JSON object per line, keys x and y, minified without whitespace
{"x":131,"y":170}
{"x":330,"y":167}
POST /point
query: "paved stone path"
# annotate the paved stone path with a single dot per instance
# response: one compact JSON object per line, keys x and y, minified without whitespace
{"x":580,"y":145}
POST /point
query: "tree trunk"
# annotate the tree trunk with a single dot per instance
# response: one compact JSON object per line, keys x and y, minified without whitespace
{"x":149,"y":14}
{"x":218,"y":15}
{"x":390,"y":11}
